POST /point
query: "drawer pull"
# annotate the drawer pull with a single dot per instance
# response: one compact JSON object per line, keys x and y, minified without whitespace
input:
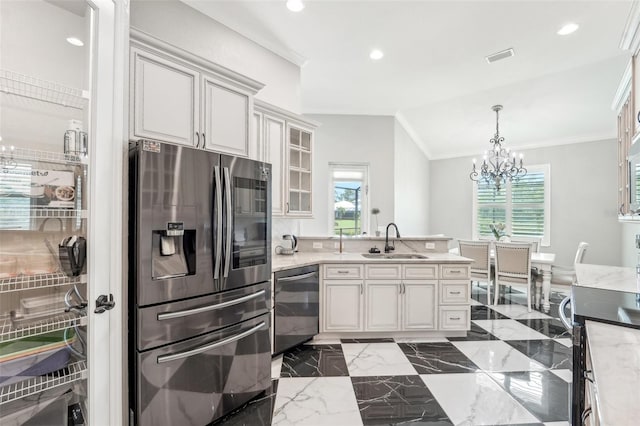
{"x":455,"y":272}
{"x":343,"y":272}
{"x":455,"y":318}
{"x":454,"y":292}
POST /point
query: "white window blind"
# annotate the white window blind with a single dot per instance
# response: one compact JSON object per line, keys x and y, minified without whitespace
{"x":523,"y":206}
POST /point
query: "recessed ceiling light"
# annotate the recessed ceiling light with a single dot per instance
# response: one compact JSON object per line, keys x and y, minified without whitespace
{"x":75,"y":41}
{"x":295,"y":5}
{"x":376,"y":54}
{"x":568,"y":28}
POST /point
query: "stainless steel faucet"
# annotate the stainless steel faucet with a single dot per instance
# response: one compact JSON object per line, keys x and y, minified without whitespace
{"x":387,"y":247}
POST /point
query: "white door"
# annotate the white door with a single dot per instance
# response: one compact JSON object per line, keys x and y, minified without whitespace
{"x":165,"y":100}
{"x":226,"y":119}
{"x":382,"y":305}
{"x":343,"y":305}
{"x":274,"y":149}
{"x":419,"y":305}
{"x":51,"y":87}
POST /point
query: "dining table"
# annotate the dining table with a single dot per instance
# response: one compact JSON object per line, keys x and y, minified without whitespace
{"x":543,"y":263}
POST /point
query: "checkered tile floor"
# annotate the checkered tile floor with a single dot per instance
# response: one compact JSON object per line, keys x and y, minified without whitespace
{"x":513,"y":367}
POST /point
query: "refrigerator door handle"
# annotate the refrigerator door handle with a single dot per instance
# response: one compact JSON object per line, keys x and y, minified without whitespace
{"x":229,"y":208}
{"x":218,"y":213}
{"x":205,"y":348}
{"x":195,"y":311}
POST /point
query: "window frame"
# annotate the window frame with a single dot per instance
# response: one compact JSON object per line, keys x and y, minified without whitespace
{"x":364,"y":205}
{"x":546,"y":238}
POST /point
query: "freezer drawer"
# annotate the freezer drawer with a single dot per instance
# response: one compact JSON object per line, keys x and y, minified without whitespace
{"x":170,"y":322}
{"x":196,"y":381}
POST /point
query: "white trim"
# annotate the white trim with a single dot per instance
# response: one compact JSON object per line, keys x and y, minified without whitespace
{"x":624,"y":89}
{"x":631,"y":34}
{"x":546,"y":239}
{"x":265,"y":107}
{"x":543,"y":144}
{"x":173,"y":53}
{"x":364,"y":207}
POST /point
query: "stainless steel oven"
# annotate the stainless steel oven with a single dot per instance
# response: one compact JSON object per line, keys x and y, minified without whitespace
{"x":296,"y":306}
{"x":199,"y":299}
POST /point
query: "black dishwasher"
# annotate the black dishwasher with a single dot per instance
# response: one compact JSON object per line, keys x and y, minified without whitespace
{"x":297,"y":305}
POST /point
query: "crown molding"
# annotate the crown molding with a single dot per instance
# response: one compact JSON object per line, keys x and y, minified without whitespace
{"x":631,"y":34}
{"x":624,"y":88}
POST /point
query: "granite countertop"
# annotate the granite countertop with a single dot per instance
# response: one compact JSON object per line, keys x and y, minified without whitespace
{"x":379,"y":238}
{"x":606,"y":277}
{"x":281,"y":262}
{"x":615,"y":358}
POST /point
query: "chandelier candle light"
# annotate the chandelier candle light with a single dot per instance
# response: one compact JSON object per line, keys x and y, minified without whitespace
{"x":499,"y":163}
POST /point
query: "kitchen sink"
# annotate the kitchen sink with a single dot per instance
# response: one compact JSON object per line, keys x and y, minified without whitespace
{"x":393,"y":256}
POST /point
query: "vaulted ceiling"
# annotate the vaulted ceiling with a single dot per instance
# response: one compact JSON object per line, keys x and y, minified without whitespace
{"x":434,"y":76}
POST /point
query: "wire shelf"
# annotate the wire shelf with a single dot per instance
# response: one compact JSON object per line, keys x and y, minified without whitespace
{"x":31,"y":282}
{"x":8,"y":153}
{"x":10,"y":332}
{"x":71,"y":373}
{"x":42,"y":90}
{"x":42,"y":213}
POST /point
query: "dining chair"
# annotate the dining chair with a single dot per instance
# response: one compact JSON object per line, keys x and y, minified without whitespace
{"x":480,"y":252}
{"x":566,"y":275}
{"x":534,"y":241}
{"x":513,"y":267}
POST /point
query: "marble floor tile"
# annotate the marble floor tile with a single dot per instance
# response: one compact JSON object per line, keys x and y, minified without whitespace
{"x":496,"y":355}
{"x":276,"y":366}
{"x":508,"y":329}
{"x":421,"y":339}
{"x":436,"y":358}
{"x":557,"y":424}
{"x":474,"y":334}
{"x":543,"y":393}
{"x":315,"y":341}
{"x":551,"y":327}
{"x":566,"y":375}
{"x":474,"y":302}
{"x":475,"y":399}
{"x":564,"y":342}
{"x":258,"y":412}
{"x":397,"y":399}
{"x":316,"y":401}
{"x":515,"y":311}
{"x":547,"y":352}
{"x":376,"y":359}
{"x":314,"y":361}
{"x":483,"y":312}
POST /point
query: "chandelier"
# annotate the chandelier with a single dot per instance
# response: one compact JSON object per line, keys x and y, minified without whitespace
{"x":499,"y":164}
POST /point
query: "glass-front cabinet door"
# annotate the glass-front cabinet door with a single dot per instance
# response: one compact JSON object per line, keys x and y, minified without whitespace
{"x":54,"y":113}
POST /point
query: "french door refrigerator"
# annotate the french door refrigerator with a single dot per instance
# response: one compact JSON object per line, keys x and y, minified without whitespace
{"x":199,"y":302}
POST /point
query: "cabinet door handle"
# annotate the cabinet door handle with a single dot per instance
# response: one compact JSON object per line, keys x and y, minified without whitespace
{"x":197,"y":140}
{"x":404,"y":288}
{"x":361,"y":288}
{"x":287,"y":207}
{"x":204,"y":140}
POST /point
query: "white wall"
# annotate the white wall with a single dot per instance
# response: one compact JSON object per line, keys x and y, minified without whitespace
{"x":411,"y":176}
{"x":583,"y":199}
{"x":628,"y":248}
{"x":359,"y":139}
{"x":180,"y":25}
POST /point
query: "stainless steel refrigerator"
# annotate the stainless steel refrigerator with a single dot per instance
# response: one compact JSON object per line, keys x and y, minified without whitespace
{"x":199,"y":294}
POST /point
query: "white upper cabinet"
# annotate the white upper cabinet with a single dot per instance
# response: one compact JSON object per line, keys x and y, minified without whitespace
{"x":181,"y":98}
{"x":286,"y":142}
{"x":226,"y":119}
{"x":166,"y":100}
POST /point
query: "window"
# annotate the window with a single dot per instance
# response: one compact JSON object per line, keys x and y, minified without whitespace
{"x":348,"y":198}
{"x":523,"y":206}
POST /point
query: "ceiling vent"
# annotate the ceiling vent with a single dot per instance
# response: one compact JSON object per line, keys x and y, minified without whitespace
{"x":500,"y":55}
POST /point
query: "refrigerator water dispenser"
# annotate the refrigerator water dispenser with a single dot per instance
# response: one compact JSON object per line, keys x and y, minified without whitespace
{"x":173,"y":252}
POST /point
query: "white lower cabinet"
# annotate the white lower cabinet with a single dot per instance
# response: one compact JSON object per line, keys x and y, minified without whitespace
{"x":419,"y":304}
{"x":455,"y":317}
{"x":383,"y":303}
{"x":343,"y":305}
